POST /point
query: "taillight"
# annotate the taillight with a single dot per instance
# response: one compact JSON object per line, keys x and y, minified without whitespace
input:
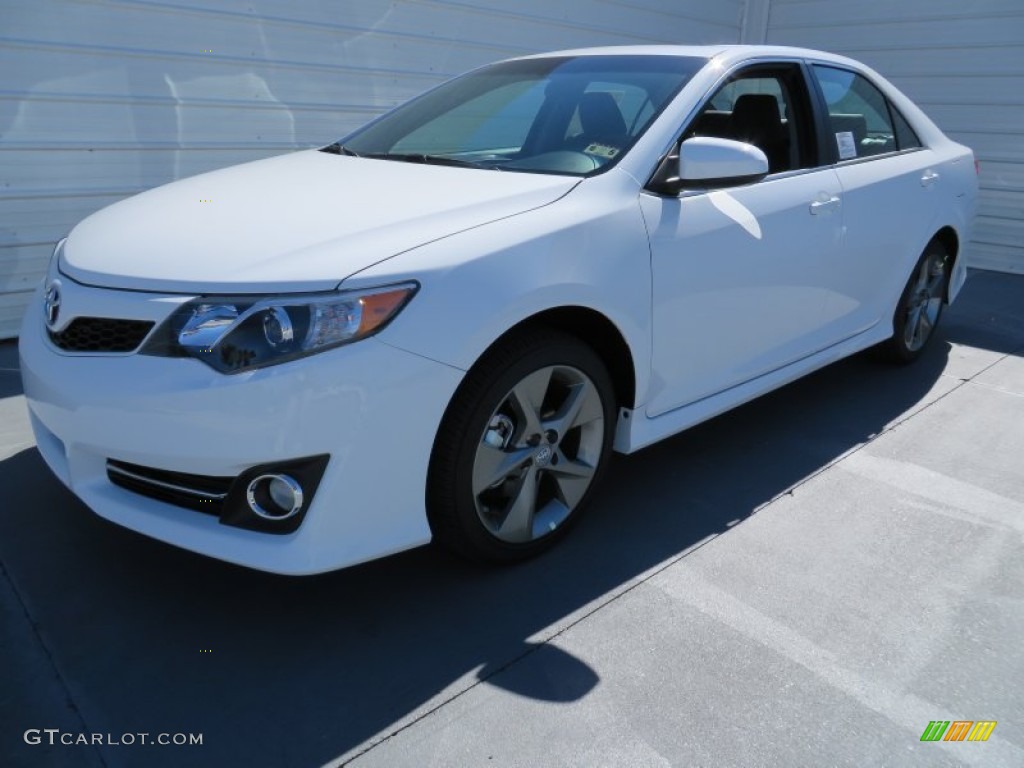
{"x":977,"y":166}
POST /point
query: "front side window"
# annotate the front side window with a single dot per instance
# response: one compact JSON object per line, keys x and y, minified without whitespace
{"x":862,"y":122}
{"x":766,"y":107}
{"x":574,"y":115}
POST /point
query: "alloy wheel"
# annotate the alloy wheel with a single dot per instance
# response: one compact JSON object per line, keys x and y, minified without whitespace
{"x":538,"y":454}
{"x":925,"y":302}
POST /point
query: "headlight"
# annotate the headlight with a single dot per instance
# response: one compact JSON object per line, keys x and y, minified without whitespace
{"x":234,"y":334}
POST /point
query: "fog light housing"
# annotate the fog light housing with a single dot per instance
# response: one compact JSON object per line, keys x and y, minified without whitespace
{"x":274,"y":498}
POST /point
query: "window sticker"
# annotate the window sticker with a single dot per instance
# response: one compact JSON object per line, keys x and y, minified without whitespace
{"x":846,"y":144}
{"x":601,"y":150}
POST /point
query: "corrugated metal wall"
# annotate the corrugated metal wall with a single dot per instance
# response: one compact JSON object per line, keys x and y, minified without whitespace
{"x":103,"y":99}
{"x":962,"y":61}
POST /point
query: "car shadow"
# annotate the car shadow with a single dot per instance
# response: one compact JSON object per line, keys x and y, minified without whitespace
{"x":989,"y":314}
{"x":297,"y":671}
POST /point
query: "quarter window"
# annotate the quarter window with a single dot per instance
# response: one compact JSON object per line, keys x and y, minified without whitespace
{"x":905,"y":136}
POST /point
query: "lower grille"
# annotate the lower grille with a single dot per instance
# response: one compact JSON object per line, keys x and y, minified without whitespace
{"x":199,"y":492}
{"x":101,"y":334}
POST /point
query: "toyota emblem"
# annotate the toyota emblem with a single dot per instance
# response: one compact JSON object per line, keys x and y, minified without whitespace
{"x":51,"y":304}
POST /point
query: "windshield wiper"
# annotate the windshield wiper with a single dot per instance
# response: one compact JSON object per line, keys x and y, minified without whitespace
{"x":417,"y":157}
{"x":337,"y":149}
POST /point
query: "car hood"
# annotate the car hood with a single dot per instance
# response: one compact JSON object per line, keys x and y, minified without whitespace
{"x":298,"y":222}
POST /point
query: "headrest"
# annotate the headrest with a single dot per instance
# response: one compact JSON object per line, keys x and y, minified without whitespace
{"x":757,"y":108}
{"x":600,"y":116}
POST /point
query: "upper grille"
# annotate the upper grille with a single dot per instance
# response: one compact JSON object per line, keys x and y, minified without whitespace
{"x":101,"y":334}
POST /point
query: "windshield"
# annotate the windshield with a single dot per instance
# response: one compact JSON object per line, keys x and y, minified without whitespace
{"x":564,"y":115}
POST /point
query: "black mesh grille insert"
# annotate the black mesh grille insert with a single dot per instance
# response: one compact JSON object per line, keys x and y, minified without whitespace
{"x":199,"y":492}
{"x":101,"y":334}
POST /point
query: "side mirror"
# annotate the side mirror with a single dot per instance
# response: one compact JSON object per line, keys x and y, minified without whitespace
{"x":720,"y":162}
{"x":705,"y":162}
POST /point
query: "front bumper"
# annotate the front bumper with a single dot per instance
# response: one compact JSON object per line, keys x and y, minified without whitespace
{"x":372,"y":408}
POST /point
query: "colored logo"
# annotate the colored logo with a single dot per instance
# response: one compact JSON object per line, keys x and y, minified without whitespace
{"x":958,"y":730}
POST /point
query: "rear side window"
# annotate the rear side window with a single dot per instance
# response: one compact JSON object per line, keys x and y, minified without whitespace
{"x":862,"y":122}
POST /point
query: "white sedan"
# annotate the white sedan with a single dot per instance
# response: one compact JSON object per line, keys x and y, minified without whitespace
{"x":441,"y":326}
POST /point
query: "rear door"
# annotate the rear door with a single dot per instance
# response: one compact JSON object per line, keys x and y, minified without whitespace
{"x":890,"y":184}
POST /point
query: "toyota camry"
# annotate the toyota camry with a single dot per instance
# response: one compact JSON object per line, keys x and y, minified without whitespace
{"x":441,"y":326}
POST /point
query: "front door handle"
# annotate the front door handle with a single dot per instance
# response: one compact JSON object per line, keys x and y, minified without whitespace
{"x":824,"y":204}
{"x":929,"y":178}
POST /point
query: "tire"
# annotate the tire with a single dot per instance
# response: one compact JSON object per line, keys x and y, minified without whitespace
{"x":521,"y":447}
{"x":920,"y":306}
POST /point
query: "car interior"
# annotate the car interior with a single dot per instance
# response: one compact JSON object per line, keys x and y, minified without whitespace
{"x":754,"y":111}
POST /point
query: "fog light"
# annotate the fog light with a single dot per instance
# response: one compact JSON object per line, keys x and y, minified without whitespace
{"x":274,"y":497}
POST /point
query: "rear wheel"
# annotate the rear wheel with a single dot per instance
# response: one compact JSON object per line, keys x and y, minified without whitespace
{"x":521,"y":447}
{"x":920,"y":306}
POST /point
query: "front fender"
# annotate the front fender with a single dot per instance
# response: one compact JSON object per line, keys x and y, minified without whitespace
{"x":588,"y":249}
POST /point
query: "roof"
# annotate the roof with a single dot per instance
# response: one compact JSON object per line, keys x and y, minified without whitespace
{"x":728,"y":53}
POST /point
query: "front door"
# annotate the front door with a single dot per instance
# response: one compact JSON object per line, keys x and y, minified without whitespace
{"x":741,"y":275}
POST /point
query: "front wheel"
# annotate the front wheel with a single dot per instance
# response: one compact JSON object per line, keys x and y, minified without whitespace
{"x":521,"y":447}
{"x":920,"y":306}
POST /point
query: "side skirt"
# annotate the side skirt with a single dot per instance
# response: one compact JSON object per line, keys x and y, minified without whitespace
{"x":635,"y":430}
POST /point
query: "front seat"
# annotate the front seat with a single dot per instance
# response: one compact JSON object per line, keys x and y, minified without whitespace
{"x":756,"y":120}
{"x":601,"y":121}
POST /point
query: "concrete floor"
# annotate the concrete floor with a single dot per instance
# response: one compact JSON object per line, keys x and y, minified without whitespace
{"x":806,"y":581}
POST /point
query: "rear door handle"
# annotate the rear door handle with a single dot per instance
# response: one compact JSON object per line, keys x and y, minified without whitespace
{"x":929,"y":178}
{"x":824,"y":205}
